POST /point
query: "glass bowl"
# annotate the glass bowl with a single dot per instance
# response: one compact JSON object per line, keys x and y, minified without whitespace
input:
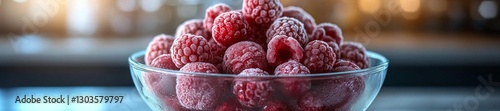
{"x":351,"y":90}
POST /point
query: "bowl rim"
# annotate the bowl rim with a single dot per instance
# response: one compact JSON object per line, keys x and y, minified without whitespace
{"x":384,"y":62}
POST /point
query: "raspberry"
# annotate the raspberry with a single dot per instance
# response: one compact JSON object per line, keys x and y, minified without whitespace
{"x":327,"y":32}
{"x":275,"y":106}
{"x":282,"y":49}
{"x":229,"y":28}
{"x":243,"y":55}
{"x":217,"y":52}
{"x":231,"y":105}
{"x":301,"y":15}
{"x":343,"y":65}
{"x":190,"y":48}
{"x":354,"y":52}
{"x":310,"y":102}
{"x":200,"y":93}
{"x":290,"y":27}
{"x":336,"y":48}
{"x":172,"y":104}
{"x":319,"y":57}
{"x":293,"y":86}
{"x":164,"y":61}
{"x":194,"y":27}
{"x":338,"y":93}
{"x":252,"y":92}
{"x":161,"y":84}
{"x":258,"y":35}
{"x":262,"y":12}
{"x":212,"y":12}
{"x":159,"y":45}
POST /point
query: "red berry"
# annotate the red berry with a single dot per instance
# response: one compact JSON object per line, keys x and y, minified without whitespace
{"x":217,"y":52}
{"x":282,"y":49}
{"x":172,"y":104}
{"x":229,"y":28}
{"x":310,"y":102}
{"x":252,"y":92}
{"x":231,"y":105}
{"x":190,"y":48}
{"x":293,"y":86}
{"x":258,"y":35}
{"x":197,"y":92}
{"x":290,"y":27}
{"x":262,"y":12}
{"x":354,"y":52}
{"x":194,"y":27}
{"x":343,"y":65}
{"x":244,"y":55}
{"x":212,"y":12}
{"x":339,"y":93}
{"x":161,"y":84}
{"x":336,"y":48}
{"x":275,"y":105}
{"x":159,"y":45}
{"x":164,"y":61}
{"x":301,"y":15}
{"x":327,"y":32}
{"x":319,"y":57}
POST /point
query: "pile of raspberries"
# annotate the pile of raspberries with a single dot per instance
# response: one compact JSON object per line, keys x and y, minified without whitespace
{"x":261,"y":39}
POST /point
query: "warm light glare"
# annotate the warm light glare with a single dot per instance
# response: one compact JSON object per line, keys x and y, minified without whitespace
{"x":410,"y":5}
{"x":81,"y":17}
{"x":19,"y":1}
{"x":369,"y":6}
{"x":488,"y":9}
{"x":151,"y":5}
{"x":438,"y":5}
{"x":126,"y":5}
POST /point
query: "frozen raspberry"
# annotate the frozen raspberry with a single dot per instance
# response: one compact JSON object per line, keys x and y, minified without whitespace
{"x":293,"y":86}
{"x":194,"y":27}
{"x":164,"y":61}
{"x":212,"y":12}
{"x":172,"y":104}
{"x":217,"y":52}
{"x":161,"y":84}
{"x":262,"y":12}
{"x":197,"y":92}
{"x":336,"y":48}
{"x":282,"y":49}
{"x":252,"y":92}
{"x":159,"y":45}
{"x":310,"y":102}
{"x":339,"y":93}
{"x":229,"y":28}
{"x":275,"y":105}
{"x":327,"y":32}
{"x":319,"y":57}
{"x":343,"y":65}
{"x":301,"y":15}
{"x":290,"y":27}
{"x":190,"y":48}
{"x":231,"y":105}
{"x":244,"y":55}
{"x":354,"y":52}
{"x":258,"y":35}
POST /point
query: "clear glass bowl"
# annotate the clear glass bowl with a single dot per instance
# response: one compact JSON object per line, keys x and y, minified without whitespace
{"x":351,"y":90}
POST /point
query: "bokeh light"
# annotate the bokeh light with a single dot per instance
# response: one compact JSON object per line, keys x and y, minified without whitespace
{"x":437,"y":6}
{"x":151,"y":5}
{"x":83,"y":22}
{"x":488,"y":9}
{"x":410,"y":5}
{"x":126,"y":5}
{"x":369,"y":6}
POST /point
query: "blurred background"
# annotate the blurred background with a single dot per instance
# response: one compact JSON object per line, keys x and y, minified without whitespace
{"x":435,"y":47}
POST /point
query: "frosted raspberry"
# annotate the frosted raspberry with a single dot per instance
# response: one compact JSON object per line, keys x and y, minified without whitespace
{"x":217,"y":52}
{"x":258,"y":35}
{"x":290,"y":27}
{"x":301,"y":15}
{"x":197,"y":92}
{"x":354,"y":52}
{"x":339,"y":93}
{"x":212,"y":12}
{"x":252,"y":92}
{"x":172,"y":103}
{"x":231,"y":105}
{"x":262,"y":12}
{"x":319,"y":57}
{"x":164,"y":61}
{"x":194,"y":27}
{"x":229,"y":28}
{"x":190,"y":48}
{"x":275,"y":105}
{"x":343,"y":65}
{"x":293,"y":86}
{"x":161,"y":84}
{"x":282,"y":49}
{"x":244,"y":55}
{"x":310,"y":102}
{"x":335,"y":48}
{"x":159,"y":45}
{"x":327,"y":32}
